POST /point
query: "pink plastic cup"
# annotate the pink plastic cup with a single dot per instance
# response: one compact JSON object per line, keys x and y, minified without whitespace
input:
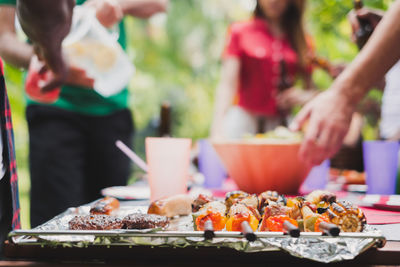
{"x":168,"y":161}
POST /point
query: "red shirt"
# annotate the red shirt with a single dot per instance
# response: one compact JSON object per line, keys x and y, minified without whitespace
{"x":260,"y":54}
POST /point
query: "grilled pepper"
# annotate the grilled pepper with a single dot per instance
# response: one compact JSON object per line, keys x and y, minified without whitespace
{"x":239,"y":213}
{"x":214,"y":211}
{"x":275,"y":223}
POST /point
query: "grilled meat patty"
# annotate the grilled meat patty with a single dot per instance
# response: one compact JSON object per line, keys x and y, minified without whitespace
{"x":95,"y":222}
{"x":144,"y":221}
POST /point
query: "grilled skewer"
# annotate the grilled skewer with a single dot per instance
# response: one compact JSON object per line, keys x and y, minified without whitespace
{"x":291,"y":229}
{"x":209,"y":218}
{"x":329,"y":228}
{"x":247,"y":231}
{"x":209,"y":230}
{"x":346,"y":216}
{"x":243,"y":214}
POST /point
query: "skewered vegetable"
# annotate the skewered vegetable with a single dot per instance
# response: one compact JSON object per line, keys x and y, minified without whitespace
{"x":275,"y":209}
{"x":267,"y":196}
{"x":348,"y":217}
{"x":276,"y":223}
{"x":239,"y":213}
{"x":309,"y":219}
{"x":212,"y":211}
{"x":250,"y":201}
{"x":295,"y":205}
{"x":318,"y":196}
{"x":320,"y":219}
{"x":200,"y":201}
{"x":233,"y":197}
{"x":318,"y":212}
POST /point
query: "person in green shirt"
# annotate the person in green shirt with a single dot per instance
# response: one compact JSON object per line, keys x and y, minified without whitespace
{"x":72,"y":141}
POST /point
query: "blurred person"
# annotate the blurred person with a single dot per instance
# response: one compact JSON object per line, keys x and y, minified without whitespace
{"x":72,"y":142}
{"x":9,"y":198}
{"x":262,"y":59}
{"x":329,"y":114}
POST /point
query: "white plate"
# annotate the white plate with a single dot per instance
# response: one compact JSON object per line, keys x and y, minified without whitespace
{"x":127,"y":192}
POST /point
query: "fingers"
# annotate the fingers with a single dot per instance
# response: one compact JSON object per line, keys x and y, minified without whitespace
{"x":316,"y":144}
{"x":309,"y":145}
{"x":88,"y":82}
{"x":51,"y":85}
{"x":42,"y":68}
{"x":301,"y":118}
{"x":322,"y":140}
{"x":56,"y":64}
{"x":109,"y":12}
{"x":336,"y":143}
{"x":373,"y":16}
{"x":355,"y":24}
{"x":78,"y":77}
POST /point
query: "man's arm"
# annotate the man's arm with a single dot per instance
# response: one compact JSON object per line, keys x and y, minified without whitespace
{"x":380,"y":53}
{"x":46,"y":23}
{"x":143,"y":8}
{"x":329,"y":114}
{"x":110,"y":12}
{"x":12,"y":50}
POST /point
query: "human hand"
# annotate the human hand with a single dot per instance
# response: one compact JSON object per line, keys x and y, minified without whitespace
{"x":75,"y":76}
{"x":78,"y":77}
{"x":144,"y":8}
{"x":370,"y":15}
{"x":328,"y":117}
{"x":108,"y":12}
{"x":47,"y":30}
{"x":293,"y":97}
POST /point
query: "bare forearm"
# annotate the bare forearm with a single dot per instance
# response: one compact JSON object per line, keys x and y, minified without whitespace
{"x":14,"y":51}
{"x":377,"y":57}
{"x":46,"y":30}
{"x":143,"y":8}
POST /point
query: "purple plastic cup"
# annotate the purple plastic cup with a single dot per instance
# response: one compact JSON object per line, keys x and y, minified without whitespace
{"x":210,"y":165}
{"x":317,"y":178}
{"x":380,"y":163}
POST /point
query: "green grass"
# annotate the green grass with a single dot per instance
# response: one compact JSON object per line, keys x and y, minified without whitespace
{"x":24,"y":187}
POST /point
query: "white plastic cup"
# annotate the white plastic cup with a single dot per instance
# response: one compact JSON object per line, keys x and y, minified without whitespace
{"x":168,"y":160}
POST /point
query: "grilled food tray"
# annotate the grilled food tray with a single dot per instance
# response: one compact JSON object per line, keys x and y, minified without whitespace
{"x":310,"y":245}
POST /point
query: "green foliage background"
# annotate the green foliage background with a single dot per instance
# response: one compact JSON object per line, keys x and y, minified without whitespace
{"x":178,"y":59}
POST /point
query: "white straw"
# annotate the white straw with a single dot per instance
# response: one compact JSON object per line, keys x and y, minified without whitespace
{"x":132,"y":155}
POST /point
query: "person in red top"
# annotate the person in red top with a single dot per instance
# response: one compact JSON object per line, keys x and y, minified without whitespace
{"x":261,"y":62}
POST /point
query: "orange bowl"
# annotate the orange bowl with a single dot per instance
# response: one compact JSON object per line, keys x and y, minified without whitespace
{"x":260,"y":165}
